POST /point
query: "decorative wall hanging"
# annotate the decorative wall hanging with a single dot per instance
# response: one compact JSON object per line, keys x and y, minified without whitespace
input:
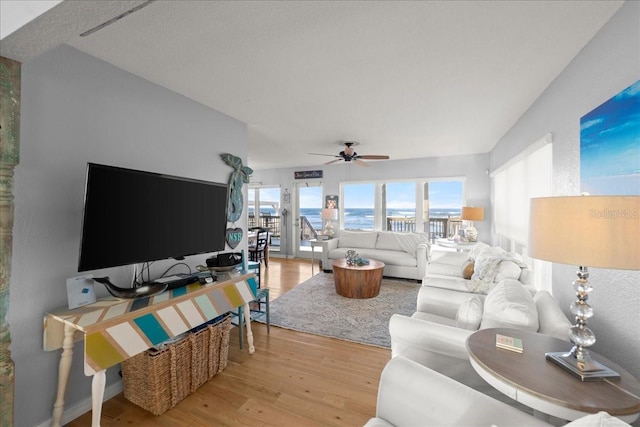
{"x":234,"y":237}
{"x":609,"y":146}
{"x":239,"y":176}
{"x":307,"y":174}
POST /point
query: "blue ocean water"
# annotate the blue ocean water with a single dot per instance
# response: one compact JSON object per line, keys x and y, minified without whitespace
{"x":363,"y":219}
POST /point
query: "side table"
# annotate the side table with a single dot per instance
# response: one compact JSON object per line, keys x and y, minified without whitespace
{"x":532,"y":380}
{"x":315,"y":244}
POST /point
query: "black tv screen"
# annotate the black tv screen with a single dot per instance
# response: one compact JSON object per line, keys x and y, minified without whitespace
{"x":131,"y":216}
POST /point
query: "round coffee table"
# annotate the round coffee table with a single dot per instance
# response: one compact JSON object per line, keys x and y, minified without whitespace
{"x":357,"y":281}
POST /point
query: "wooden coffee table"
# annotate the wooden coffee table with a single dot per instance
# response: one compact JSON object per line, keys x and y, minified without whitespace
{"x":534,"y":381}
{"x":357,"y":281}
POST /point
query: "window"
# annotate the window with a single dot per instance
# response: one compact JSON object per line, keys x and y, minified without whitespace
{"x":395,"y":205}
{"x":513,"y":185}
{"x":358,"y":206}
{"x":400,"y":206}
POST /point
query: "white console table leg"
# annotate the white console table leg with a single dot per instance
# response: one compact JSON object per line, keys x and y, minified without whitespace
{"x":97,"y":395}
{"x":247,"y":321}
{"x":63,"y":375}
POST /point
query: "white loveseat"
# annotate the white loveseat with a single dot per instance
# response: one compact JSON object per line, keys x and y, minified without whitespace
{"x":405,"y":255}
{"x":448,"y":312}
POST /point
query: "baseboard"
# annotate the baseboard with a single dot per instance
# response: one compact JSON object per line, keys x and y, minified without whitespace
{"x":84,"y":406}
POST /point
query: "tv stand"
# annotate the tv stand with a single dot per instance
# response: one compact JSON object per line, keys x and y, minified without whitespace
{"x":114,"y":329}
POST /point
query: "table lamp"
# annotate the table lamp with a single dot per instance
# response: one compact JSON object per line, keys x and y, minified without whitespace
{"x":471,"y":213}
{"x":328,"y":215}
{"x":596,"y":231}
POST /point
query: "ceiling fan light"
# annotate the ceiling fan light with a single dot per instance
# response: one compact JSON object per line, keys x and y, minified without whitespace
{"x":348,"y":151}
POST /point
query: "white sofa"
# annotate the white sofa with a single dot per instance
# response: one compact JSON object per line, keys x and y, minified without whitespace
{"x":448,"y":312}
{"x":410,"y":394}
{"x":405,"y":255}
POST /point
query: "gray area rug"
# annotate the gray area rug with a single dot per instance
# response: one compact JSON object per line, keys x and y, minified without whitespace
{"x":315,"y":308}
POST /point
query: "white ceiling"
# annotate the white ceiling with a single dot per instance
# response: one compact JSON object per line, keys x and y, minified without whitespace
{"x":409,"y":79}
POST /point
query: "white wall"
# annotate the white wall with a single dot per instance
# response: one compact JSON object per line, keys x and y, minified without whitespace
{"x":608,"y":64}
{"x":471,"y":167}
{"x":77,"y":109}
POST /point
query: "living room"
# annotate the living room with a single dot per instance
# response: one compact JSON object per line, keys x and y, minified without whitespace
{"x":76,"y":108}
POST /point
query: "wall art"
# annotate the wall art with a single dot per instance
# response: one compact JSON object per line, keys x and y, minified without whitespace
{"x":610,"y":146}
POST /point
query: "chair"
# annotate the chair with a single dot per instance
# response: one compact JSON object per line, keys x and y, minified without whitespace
{"x":260,"y":303}
{"x":259,"y":248}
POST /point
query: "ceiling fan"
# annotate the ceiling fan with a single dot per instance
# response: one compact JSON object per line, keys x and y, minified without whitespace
{"x":349,"y":154}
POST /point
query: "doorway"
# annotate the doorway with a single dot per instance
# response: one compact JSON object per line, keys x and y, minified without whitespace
{"x":308,"y":219}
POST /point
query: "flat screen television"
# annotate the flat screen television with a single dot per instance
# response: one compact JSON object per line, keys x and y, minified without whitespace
{"x":132,"y":216}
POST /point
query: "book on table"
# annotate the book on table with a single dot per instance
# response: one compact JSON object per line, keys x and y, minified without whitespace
{"x":509,"y":343}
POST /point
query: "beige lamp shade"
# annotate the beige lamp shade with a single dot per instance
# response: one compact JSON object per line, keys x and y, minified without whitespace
{"x":472,"y":213}
{"x":329,"y":214}
{"x":593,"y":231}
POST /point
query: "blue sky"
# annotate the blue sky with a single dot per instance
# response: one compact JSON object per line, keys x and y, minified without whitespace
{"x":610,"y":145}
{"x":400,"y":195}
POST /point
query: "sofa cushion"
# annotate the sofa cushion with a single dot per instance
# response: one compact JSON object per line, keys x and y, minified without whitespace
{"x":442,"y":320}
{"x":510,"y":305}
{"x":467,"y":269}
{"x":395,"y":241}
{"x":389,"y":241}
{"x":450,"y":283}
{"x":357,"y":239}
{"x":550,"y":316}
{"x":469,"y":314}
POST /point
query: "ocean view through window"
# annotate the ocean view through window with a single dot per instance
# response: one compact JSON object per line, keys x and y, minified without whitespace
{"x":400,"y":200}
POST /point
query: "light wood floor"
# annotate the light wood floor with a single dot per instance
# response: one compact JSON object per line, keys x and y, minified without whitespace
{"x":293,"y":379}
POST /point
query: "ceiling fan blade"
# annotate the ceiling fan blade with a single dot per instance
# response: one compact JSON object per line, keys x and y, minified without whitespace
{"x":374,"y":157}
{"x":361,"y":163}
{"x":333,"y":161}
{"x":322,"y":154}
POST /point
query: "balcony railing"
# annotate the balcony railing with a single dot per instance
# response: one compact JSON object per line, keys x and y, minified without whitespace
{"x":438,"y":227}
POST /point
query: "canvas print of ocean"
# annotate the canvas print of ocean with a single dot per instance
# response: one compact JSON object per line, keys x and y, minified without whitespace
{"x":610,"y":146}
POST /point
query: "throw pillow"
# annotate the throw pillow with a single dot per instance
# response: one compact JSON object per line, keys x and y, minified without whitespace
{"x":507,"y":270}
{"x":469,"y":314}
{"x":388,"y":241}
{"x":467,"y":269}
{"x":510,"y":305}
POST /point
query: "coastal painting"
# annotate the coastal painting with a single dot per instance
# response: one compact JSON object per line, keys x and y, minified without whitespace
{"x":610,"y":146}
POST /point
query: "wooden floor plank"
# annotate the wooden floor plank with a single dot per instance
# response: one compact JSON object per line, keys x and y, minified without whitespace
{"x":293,"y":379}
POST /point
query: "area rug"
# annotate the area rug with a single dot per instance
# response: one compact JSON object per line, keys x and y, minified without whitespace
{"x":315,"y":308}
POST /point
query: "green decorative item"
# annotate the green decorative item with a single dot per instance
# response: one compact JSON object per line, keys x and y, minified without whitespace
{"x":239,"y":175}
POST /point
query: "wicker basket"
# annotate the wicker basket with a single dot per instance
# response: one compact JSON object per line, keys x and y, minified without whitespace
{"x":156,"y":380}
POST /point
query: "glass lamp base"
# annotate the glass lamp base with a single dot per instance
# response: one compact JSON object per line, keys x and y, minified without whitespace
{"x":328,"y":230}
{"x":471,"y":234}
{"x":596,"y":371}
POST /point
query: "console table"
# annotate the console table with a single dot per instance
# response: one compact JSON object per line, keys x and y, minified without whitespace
{"x":532,"y":380}
{"x":114,"y":329}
